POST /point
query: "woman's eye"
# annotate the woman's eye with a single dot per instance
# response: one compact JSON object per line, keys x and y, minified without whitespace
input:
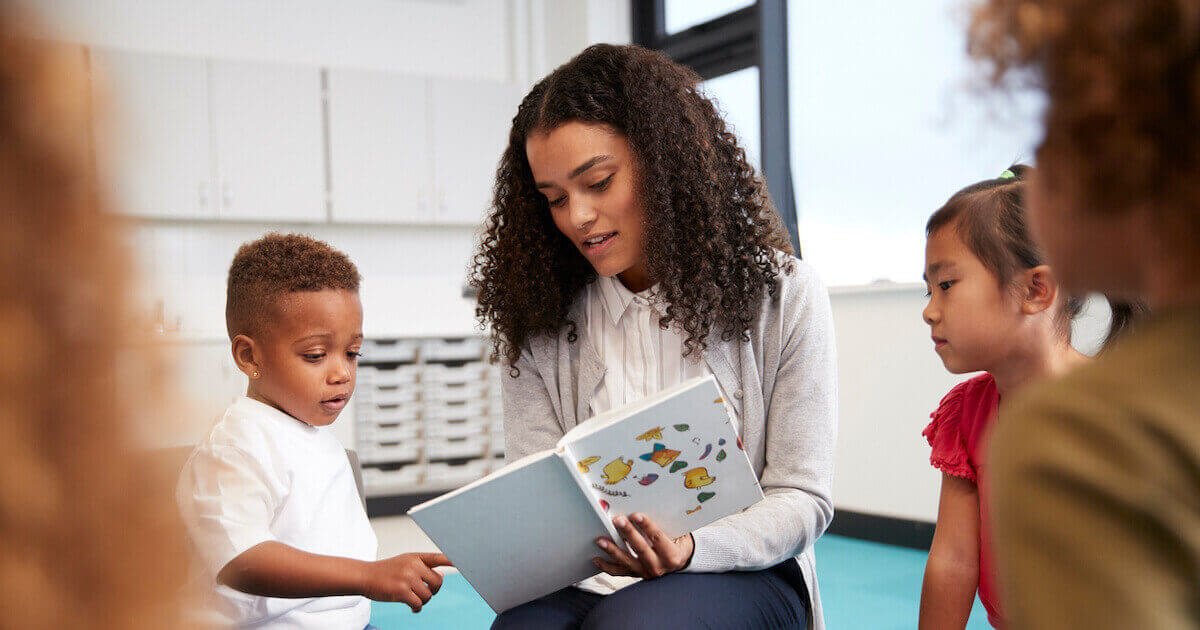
{"x":314,"y":356}
{"x":945,"y":285}
{"x":602,"y":184}
{"x":555,"y":203}
{"x":928,"y":293}
{"x":354,"y":356}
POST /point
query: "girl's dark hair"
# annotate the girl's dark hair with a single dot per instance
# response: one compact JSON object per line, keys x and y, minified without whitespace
{"x":714,"y":229}
{"x":989,"y":217}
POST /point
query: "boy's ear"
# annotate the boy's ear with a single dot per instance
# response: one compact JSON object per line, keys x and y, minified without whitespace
{"x":1040,"y":290}
{"x":247,"y":355}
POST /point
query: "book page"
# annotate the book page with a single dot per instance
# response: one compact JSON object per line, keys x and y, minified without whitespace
{"x":675,"y":457}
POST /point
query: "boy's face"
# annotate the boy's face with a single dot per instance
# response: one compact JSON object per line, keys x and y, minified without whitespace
{"x":308,"y":355}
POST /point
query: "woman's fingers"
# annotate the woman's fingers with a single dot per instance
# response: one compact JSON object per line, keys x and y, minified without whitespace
{"x":652,"y":565}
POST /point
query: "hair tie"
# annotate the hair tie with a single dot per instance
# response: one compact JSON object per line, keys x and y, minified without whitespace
{"x":1007,"y":174}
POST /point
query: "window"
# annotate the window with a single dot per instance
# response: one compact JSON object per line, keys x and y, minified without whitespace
{"x":736,"y":96}
{"x":684,"y":14}
{"x":885,"y":126}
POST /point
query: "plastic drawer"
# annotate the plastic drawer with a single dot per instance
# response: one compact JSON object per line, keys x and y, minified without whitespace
{"x":456,"y":447}
{"x":455,"y":374}
{"x":390,"y":350}
{"x":440,"y":410}
{"x":444,"y":473}
{"x":397,"y":432}
{"x":388,"y":451}
{"x":456,"y":393}
{"x":387,"y":413}
{"x":371,"y":376}
{"x":397,"y":395}
{"x":454,"y":428}
{"x":466,"y":349}
{"x":394,"y":481}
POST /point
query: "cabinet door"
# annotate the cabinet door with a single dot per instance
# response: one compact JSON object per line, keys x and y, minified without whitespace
{"x":152,"y":137}
{"x":267,"y":126}
{"x":380,"y":158}
{"x":471,"y":122}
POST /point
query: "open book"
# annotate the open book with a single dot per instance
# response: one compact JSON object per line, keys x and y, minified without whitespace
{"x":530,"y":528}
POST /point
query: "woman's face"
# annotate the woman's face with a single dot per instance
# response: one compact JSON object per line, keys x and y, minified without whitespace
{"x":588,"y":176}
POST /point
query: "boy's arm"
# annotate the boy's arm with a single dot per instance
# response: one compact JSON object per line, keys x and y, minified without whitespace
{"x":273,"y":569}
{"x":952,"y":571}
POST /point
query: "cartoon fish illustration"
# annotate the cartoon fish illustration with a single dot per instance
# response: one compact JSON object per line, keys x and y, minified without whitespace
{"x":616,"y":470}
{"x":661,"y":455}
{"x":678,"y":466}
{"x":652,"y":434}
{"x":721,"y":442}
{"x":719,"y":401}
{"x":693,"y":510}
{"x":682,"y":427}
{"x":707,"y":450}
{"x":604,"y":504}
{"x":697,"y":478}
{"x":721,"y":455}
{"x":648,"y":479}
{"x":585,"y":464}
{"x":704,"y":496}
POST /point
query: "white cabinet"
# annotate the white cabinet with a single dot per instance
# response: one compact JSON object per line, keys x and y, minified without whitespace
{"x":267,"y":128}
{"x":413,"y":150}
{"x":471,"y":123}
{"x":380,"y":149}
{"x":202,"y":139}
{"x":155,"y":152}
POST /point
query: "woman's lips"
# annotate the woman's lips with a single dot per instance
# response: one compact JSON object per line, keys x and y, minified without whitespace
{"x":599,"y":244}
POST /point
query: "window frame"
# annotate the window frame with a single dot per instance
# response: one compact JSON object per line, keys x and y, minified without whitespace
{"x":752,"y":36}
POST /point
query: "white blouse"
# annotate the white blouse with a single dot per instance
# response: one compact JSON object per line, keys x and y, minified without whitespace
{"x":640,"y":359}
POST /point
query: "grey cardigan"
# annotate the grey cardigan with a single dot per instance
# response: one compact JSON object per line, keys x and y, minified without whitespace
{"x":783,"y":383}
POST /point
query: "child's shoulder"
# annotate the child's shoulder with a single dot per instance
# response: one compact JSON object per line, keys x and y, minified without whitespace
{"x":966,"y":393}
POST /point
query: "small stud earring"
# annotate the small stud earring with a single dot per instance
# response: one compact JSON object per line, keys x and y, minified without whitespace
{"x":254,"y":375}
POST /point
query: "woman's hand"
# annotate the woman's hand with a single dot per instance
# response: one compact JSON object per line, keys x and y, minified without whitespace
{"x":657,"y":554}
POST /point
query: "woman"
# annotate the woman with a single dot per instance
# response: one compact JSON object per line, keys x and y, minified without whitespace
{"x":630,"y":248}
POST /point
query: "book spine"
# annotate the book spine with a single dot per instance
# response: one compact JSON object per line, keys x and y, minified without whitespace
{"x":568,"y":460}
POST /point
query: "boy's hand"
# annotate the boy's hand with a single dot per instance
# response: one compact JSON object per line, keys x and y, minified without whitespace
{"x":407,"y":578}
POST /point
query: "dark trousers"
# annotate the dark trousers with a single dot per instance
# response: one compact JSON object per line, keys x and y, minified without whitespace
{"x":771,"y":598}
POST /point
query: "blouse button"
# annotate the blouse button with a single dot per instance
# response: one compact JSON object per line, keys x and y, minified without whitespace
{"x":738,"y":394}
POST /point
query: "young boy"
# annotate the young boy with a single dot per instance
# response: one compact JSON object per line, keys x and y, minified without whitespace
{"x":268,"y":497}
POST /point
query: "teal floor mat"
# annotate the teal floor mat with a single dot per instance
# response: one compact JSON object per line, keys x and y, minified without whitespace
{"x":863,"y":585}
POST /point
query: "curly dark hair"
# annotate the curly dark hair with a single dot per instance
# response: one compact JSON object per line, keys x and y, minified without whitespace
{"x":1122,"y":124}
{"x":691,"y":176}
{"x":264,"y":269}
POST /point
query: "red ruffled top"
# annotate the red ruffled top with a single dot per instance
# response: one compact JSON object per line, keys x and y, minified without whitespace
{"x":957,"y":433}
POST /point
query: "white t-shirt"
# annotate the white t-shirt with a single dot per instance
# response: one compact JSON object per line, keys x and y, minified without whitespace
{"x":262,"y":475}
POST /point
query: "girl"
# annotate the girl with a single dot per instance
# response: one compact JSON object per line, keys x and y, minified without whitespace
{"x":1097,"y":475}
{"x":630,"y":248}
{"x":994,"y":306}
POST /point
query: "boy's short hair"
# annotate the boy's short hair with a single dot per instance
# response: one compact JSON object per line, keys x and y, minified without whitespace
{"x":277,"y":264}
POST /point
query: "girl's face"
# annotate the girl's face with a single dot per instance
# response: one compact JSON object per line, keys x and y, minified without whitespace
{"x":587,"y":174}
{"x":972,"y":318}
